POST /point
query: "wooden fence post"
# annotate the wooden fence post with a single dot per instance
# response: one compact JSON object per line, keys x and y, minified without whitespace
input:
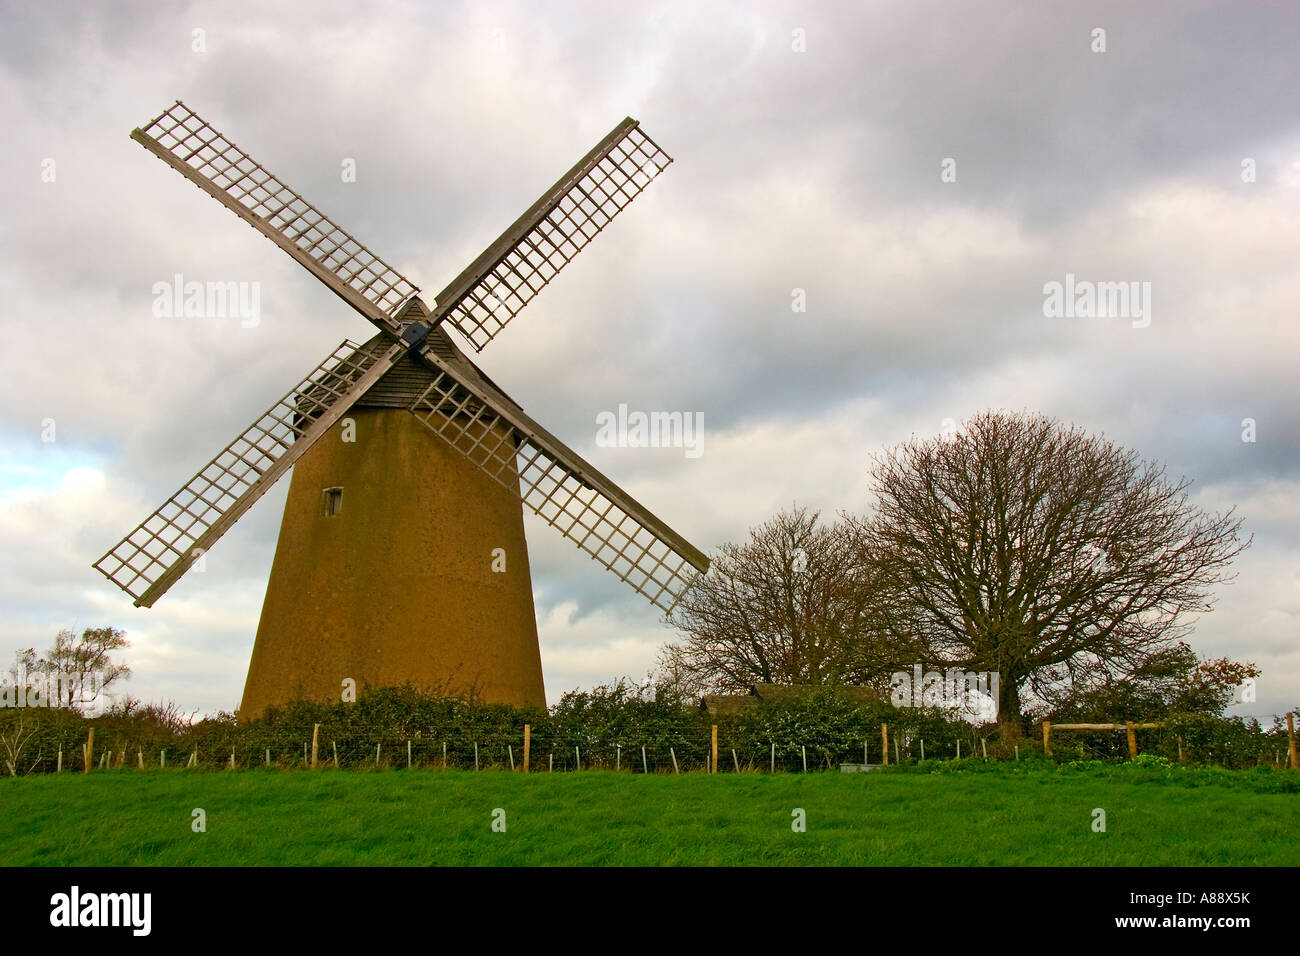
{"x":1047,"y":738}
{"x":713,"y":758}
{"x":60,"y":767}
{"x":673,"y":754}
{"x":90,"y":749}
{"x":577,"y":758}
{"x":1180,"y":748}
{"x":528,"y":744}
{"x":408,"y":755}
{"x":645,"y":767}
{"x":1290,"y":729}
{"x":1132,"y":740}
{"x":735,"y":759}
{"x":884,"y":743}
{"x":510,"y":752}
{"x":315,"y":735}
{"x":804,"y":751}
{"x":618,"y":756}
{"x":476,"y":755}
{"x":334,"y":745}
{"x":773,"y":768}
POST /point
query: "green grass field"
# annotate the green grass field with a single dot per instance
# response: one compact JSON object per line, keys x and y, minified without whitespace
{"x":1004,"y":815}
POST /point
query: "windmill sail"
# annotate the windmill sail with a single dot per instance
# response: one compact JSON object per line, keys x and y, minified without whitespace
{"x":195,"y":149}
{"x":499,"y":283}
{"x":475,"y":417}
{"x":153,"y":557}
{"x":460,"y":404}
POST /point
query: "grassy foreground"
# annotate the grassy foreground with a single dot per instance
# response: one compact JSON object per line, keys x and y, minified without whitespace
{"x":988,"y":816}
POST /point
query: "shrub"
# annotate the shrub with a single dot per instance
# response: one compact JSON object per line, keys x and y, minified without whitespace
{"x":600,"y":722}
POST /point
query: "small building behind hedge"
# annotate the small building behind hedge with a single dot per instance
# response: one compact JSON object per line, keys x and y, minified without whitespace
{"x":727,"y":705}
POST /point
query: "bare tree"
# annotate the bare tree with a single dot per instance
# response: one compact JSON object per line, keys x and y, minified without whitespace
{"x":1038,"y":552}
{"x":72,"y":657}
{"x":14,"y":739}
{"x":790,"y":605}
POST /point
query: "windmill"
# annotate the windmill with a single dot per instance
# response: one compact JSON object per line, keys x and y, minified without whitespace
{"x":401,"y":556}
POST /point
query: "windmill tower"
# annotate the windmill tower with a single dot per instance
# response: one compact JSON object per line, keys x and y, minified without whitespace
{"x":401,"y":556}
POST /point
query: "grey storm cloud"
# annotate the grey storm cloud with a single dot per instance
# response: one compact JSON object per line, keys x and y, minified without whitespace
{"x":812,"y":174}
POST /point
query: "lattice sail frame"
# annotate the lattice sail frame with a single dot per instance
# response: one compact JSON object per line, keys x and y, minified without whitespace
{"x":553,"y":480}
{"x":162,"y":547}
{"x":196,"y":149}
{"x":547,"y":237}
{"x":557,"y":484}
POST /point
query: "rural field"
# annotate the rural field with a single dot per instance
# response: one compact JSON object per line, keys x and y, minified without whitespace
{"x":1035,"y":814}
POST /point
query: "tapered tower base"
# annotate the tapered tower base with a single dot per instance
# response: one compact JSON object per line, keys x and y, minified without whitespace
{"x":399,"y":562}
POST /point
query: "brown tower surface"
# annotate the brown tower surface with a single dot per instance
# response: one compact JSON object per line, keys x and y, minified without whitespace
{"x":403,"y":582}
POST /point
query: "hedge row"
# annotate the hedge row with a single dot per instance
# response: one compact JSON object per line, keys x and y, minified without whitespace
{"x":606,"y":727}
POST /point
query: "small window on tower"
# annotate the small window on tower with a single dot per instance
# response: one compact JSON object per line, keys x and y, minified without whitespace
{"x":333,"y":501}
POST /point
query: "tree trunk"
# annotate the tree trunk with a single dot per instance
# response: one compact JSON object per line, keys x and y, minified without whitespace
{"x":1010,"y":722}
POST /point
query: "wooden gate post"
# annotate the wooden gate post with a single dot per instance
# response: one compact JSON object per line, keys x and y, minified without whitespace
{"x":713,"y":760}
{"x":528,"y":743}
{"x":1047,"y":738}
{"x":1290,"y":729}
{"x":1132,"y":740}
{"x":884,"y":742}
{"x":315,"y":733}
{"x":90,"y":747}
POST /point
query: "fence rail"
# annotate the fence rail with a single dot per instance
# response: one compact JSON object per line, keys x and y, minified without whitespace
{"x":619,"y":728}
{"x":534,"y":751}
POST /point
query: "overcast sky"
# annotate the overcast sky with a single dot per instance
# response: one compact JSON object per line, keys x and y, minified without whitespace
{"x":810,"y":143}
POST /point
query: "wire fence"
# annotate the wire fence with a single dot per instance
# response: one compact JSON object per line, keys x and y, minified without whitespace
{"x":550,"y":753}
